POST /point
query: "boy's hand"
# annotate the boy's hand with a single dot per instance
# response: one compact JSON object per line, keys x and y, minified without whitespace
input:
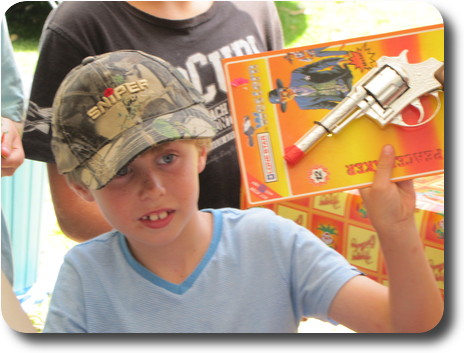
{"x":389,"y":204}
{"x":12,"y":148}
{"x":414,"y":301}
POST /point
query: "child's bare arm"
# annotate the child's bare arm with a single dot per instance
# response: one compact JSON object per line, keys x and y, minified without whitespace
{"x":413,"y":302}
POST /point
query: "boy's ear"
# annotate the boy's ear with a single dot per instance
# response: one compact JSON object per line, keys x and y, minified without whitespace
{"x":81,"y":190}
{"x":202,"y":159}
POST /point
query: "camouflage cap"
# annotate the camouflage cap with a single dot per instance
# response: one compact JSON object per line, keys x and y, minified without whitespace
{"x":115,"y":106}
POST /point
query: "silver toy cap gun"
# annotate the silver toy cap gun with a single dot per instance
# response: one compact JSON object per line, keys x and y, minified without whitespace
{"x":381,"y":94}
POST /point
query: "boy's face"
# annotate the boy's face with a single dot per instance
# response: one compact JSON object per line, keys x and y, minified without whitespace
{"x":153,"y":200}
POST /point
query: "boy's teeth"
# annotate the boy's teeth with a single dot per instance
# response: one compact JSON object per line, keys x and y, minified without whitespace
{"x":158,"y":216}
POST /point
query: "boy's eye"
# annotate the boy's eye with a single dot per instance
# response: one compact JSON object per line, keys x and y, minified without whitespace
{"x":167,"y":158}
{"x":123,"y":171}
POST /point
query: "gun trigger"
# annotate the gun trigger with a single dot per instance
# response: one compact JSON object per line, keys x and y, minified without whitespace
{"x":416,"y":103}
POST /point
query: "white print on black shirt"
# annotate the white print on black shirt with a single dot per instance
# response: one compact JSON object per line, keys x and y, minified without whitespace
{"x":220,"y":110}
{"x":198,"y":60}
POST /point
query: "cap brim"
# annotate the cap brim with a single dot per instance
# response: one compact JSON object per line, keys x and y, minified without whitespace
{"x":191,"y":123}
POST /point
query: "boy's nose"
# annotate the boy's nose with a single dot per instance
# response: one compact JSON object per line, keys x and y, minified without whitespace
{"x":152,"y":186}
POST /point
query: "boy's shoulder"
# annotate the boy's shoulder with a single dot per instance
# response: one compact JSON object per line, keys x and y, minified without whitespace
{"x":83,"y":14}
{"x":99,"y":244}
{"x":102,"y":238}
{"x":238,"y":214}
{"x":79,"y":8}
{"x":255,"y":220}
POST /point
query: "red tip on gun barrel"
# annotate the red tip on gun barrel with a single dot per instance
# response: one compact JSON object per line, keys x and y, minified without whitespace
{"x":293,"y":155}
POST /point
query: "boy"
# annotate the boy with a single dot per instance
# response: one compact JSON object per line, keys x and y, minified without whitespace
{"x":129,"y":133}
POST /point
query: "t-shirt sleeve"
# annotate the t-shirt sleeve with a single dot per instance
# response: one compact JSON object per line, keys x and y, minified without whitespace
{"x":315,"y":271}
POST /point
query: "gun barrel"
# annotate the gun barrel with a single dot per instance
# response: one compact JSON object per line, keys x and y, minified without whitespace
{"x":294,"y":153}
{"x":327,"y":126}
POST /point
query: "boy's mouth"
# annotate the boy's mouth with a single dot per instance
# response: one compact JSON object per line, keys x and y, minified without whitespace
{"x":157,"y":219}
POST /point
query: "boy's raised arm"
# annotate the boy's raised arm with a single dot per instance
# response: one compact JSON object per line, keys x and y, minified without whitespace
{"x":412,"y":302}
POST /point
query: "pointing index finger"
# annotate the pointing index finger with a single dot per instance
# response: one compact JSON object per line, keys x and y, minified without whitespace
{"x":385,"y":165}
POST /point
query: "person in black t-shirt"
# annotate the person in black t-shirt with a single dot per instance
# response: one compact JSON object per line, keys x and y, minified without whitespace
{"x":193,"y":36}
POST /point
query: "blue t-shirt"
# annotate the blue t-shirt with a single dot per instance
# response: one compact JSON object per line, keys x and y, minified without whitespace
{"x":261,"y":273}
